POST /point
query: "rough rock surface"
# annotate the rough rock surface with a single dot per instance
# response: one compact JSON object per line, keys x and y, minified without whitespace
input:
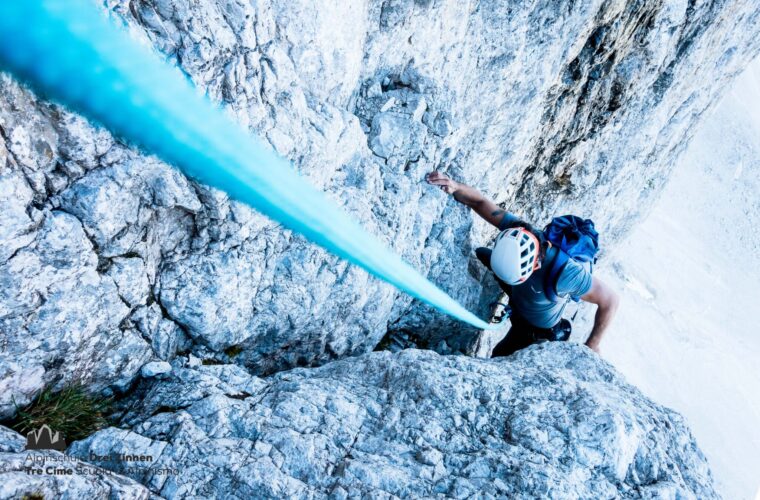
{"x":85,"y":482}
{"x":553,"y":421}
{"x":110,"y":258}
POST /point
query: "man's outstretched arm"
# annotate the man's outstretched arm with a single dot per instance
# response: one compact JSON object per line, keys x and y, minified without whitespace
{"x":469,"y":196}
{"x":607,"y":302}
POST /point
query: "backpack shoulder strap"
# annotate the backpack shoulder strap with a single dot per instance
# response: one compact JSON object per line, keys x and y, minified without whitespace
{"x":552,"y":275}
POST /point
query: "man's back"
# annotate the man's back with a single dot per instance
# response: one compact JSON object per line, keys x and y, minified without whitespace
{"x":529,"y":299}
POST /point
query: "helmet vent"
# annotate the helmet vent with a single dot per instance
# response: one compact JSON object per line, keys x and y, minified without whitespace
{"x":514,"y":255}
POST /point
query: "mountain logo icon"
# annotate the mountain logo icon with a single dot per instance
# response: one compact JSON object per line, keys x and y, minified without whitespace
{"x":45,"y":439}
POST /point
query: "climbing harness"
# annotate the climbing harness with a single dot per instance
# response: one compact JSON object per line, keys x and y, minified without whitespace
{"x":69,"y":51}
{"x":500,"y":310}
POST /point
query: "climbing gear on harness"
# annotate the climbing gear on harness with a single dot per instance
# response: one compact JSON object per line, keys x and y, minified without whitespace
{"x":575,"y":238}
{"x":559,"y":332}
{"x":500,"y":309}
{"x":69,"y":51}
{"x":515,"y":255}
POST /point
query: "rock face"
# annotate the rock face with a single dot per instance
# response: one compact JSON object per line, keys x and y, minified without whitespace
{"x":86,"y":480}
{"x":553,"y":421}
{"x":110,"y":258}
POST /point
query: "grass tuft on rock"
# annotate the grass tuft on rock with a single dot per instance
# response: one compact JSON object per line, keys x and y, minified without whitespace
{"x":233,"y":351}
{"x":72,"y":411}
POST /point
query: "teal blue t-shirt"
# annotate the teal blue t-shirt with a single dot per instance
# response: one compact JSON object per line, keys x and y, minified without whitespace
{"x":529,"y":299}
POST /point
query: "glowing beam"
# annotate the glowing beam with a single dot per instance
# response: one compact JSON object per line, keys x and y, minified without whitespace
{"x":71,"y":52}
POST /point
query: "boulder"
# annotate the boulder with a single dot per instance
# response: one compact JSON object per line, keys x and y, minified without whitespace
{"x":552,"y":421}
{"x":52,"y":474}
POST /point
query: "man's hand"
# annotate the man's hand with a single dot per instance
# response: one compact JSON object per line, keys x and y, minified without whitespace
{"x":442,"y":181}
{"x":607,"y":301}
{"x":467,"y":196}
{"x":594,"y":346}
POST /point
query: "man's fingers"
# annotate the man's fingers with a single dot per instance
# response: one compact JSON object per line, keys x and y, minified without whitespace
{"x":439,"y":182}
{"x":438,"y":179}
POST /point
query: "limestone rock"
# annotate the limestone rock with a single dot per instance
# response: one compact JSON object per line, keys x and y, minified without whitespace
{"x":59,"y":315}
{"x":553,"y":421}
{"x":155,"y":368}
{"x":131,"y":279}
{"x":51,"y":477}
{"x":546,"y":106}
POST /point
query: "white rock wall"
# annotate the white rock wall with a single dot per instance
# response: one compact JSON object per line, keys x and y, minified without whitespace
{"x":110,"y":258}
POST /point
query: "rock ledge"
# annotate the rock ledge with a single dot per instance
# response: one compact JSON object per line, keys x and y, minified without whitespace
{"x":553,"y":421}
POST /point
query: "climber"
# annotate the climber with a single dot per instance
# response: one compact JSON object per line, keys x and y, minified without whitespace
{"x":517,"y":258}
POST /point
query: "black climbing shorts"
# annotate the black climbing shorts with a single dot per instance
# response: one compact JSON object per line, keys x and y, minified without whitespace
{"x":522,"y":334}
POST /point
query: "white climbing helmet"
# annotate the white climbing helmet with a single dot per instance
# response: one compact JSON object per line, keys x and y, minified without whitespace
{"x":515,"y":255}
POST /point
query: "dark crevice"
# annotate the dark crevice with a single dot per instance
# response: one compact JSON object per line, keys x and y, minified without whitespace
{"x":168,"y":409}
{"x":590,"y":94}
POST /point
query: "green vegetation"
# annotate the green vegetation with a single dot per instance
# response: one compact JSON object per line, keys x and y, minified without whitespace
{"x":233,"y":351}
{"x":71,"y":411}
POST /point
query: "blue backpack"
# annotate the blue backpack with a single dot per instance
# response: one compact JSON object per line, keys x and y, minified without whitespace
{"x":576,"y":239}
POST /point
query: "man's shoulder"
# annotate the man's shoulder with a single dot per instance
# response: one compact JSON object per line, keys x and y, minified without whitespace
{"x":573,"y":266}
{"x":575,"y":278}
{"x":507,"y":219}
